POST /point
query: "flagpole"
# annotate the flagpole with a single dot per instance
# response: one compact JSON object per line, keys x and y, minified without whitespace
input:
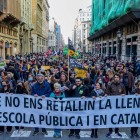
{"x":68,"y":58}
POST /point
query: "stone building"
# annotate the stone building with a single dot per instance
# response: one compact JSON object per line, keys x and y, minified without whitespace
{"x":106,"y":25}
{"x":40,"y":19}
{"x":26,"y":26}
{"x":10,"y":17}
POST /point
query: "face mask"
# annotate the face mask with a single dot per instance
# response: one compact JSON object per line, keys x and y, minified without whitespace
{"x":30,"y":79}
{"x":3,"y":86}
{"x":48,"y":74}
{"x":100,"y":82}
{"x":19,"y":86}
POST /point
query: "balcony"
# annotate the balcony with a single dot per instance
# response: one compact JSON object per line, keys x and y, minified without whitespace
{"x":21,"y":34}
{"x":47,"y":17}
{"x":40,"y":5}
{"x":31,"y":26}
{"x":23,"y":21}
{"x":9,"y":19}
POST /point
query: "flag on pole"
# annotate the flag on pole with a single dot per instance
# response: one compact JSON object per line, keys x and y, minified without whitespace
{"x":71,"y":48}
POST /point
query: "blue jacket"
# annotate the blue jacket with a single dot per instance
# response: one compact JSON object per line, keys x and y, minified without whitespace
{"x":44,"y":90}
{"x":95,"y":77}
{"x":0,"y":82}
{"x":61,"y":95}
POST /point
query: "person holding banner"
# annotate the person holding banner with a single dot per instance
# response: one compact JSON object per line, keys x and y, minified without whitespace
{"x":6,"y":88}
{"x":78,"y":90}
{"x":97,"y":92}
{"x":63,"y":81}
{"x":113,"y":89}
{"x":57,"y":94}
{"x":41,"y":88}
{"x":134,"y":130}
{"x":20,"y":90}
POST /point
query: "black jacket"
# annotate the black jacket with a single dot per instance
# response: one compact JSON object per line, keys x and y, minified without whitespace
{"x":76,"y":92}
{"x":21,"y":91}
{"x":72,"y":80}
{"x":90,"y":88}
{"x":4,"y":91}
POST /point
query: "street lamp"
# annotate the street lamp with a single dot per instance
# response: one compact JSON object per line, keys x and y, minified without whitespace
{"x":119,"y":43}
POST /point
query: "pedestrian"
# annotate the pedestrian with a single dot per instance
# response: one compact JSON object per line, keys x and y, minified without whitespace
{"x":128,"y":81}
{"x":29,"y":84}
{"x":113,"y":89}
{"x":41,"y":88}
{"x":20,"y":89}
{"x":97,"y":92}
{"x":78,"y":90}
{"x":7,"y":89}
{"x":57,"y":94}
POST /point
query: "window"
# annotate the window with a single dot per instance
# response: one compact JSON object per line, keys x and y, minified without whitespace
{"x":5,"y":3}
{"x":89,"y":9}
{"x":83,"y":19}
{"x":87,"y":14}
{"x":80,"y":15}
{"x":87,"y":18}
{"x":83,"y":14}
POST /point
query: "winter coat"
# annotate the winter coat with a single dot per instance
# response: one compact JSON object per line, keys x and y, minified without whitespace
{"x":83,"y":91}
{"x":96,"y":93}
{"x":115,"y":89}
{"x":66,"y":83}
{"x":21,"y":91}
{"x":130,"y":80}
{"x":61,"y":95}
{"x":17,"y":67}
{"x":27,"y":87}
{"x":96,"y":76}
{"x":90,"y":88}
{"x":44,"y":90}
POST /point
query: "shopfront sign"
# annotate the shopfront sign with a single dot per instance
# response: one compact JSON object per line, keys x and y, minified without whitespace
{"x":6,"y":45}
{"x":135,"y":43}
{"x":129,"y":43}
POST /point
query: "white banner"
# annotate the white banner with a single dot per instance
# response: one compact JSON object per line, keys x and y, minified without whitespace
{"x":69,"y":113}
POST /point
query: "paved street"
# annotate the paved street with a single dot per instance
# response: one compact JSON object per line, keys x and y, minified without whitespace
{"x":101,"y":134}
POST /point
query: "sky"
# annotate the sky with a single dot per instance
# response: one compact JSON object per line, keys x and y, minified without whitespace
{"x":65,"y":13}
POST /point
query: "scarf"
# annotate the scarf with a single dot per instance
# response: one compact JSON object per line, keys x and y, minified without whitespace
{"x":98,"y":92}
{"x":57,"y":93}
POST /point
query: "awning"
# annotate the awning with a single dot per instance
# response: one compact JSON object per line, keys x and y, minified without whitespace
{"x":119,"y":22}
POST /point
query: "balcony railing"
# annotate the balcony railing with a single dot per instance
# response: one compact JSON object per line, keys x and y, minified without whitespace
{"x":31,"y":26}
{"x":23,"y":21}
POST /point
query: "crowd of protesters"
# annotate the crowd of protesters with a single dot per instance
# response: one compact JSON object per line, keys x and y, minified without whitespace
{"x":105,"y":77}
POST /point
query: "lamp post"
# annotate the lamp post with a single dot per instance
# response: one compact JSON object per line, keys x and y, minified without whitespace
{"x":119,"y":43}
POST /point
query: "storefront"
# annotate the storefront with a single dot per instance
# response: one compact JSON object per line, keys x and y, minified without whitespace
{"x":15,"y":49}
{"x":6,"y":49}
{"x":10,"y":46}
{"x":114,"y":47}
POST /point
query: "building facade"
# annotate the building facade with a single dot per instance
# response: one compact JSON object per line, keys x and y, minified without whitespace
{"x":104,"y":35}
{"x":10,"y":17}
{"x":81,"y":28}
{"x":40,"y":19}
{"x":52,"y":39}
{"x":58,"y":36}
{"x":26,"y":26}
